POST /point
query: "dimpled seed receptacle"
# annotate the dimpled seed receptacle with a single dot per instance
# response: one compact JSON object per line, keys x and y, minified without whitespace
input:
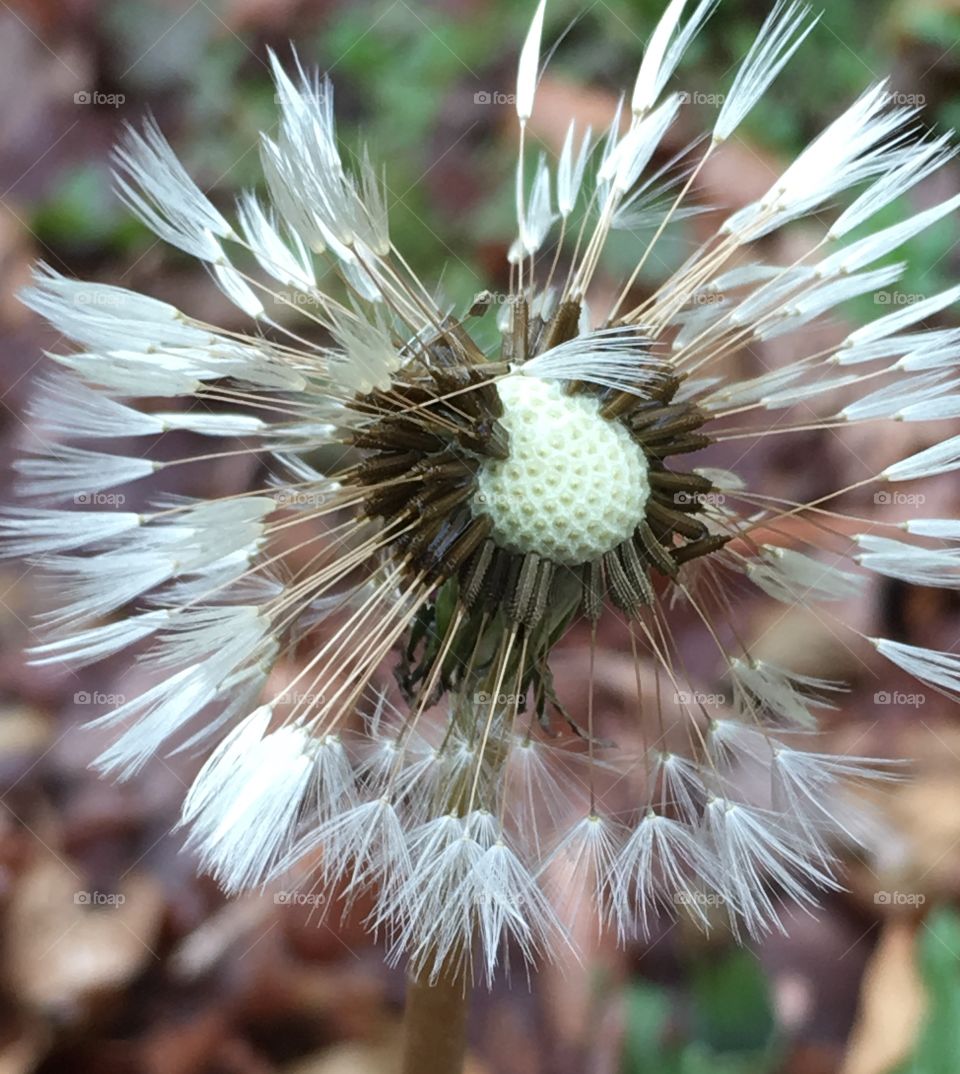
{"x":574,"y":485}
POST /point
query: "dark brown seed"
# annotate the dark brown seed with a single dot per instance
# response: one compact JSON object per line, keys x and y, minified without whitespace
{"x":673,"y":482}
{"x":703,"y":547}
{"x":520,"y":340}
{"x":393,"y":500}
{"x":653,"y":412}
{"x":519,"y":598}
{"x":420,"y":538}
{"x":563,"y":325}
{"x":467,"y":544}
{"x":642,"y":409}
{"x":486,"y":438}
{"x":618,"y":404}
{"x":675,"y":522}
{"x":446,"y":466}
{"x":376,"y":468}
{"x":462,"y":341}
{"x":535,"y":335}
{"x":635,"y":570}
{"x":668,"y":436}
{"x":432,"y":505}
{"x":434,"y":557}
{"x":593,"y":589}
{"x":454,"y":382}
{"x":497,"y":578}
{"x":658,"y":554}
{"x":623,"y":593}
{"x":681,"y":446}
{"x":393,"y":434}
{"x":440,"y":354}
{"x":669,"y":430}
{"x":664,"y":388}
{"x":472,"y":582}
{"x":541,"y":599}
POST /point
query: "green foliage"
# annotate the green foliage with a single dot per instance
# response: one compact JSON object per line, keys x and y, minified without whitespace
{"x":727,"y":1027}
{"x":406,"y":77}
{"x":936,"y":25}
{"x":80,"y":213}
{"x":939,"y":953}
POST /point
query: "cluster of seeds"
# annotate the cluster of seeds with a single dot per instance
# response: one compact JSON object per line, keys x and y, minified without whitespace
{"x":530,"y":494}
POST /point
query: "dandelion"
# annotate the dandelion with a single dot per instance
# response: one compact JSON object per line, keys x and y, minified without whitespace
{"x":482,"y":502}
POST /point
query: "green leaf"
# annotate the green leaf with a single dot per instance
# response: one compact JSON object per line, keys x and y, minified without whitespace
{"x":648,"y":1010}
{"x":732,"y":1022}
{"x":732,"y":1009}
{"x":938,"y":1048}
{"x":82,"y":212}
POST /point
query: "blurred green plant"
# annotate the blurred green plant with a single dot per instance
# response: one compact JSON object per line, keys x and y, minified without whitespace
{"x":405,"y":72}
{"x":81,"y":212}
{"x":723,"y":1026}
{"x":938,"y":1047}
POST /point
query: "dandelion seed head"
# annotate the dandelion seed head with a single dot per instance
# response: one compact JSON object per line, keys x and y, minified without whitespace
{"x":480,"y":505}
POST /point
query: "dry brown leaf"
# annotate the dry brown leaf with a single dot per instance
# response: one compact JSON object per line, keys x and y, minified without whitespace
{"x":17,"y":254}
{"x":247,"y":15}
{"x":67,"y":946}
{"x":235,"y":922}
{"x":352,"y":1058}
{"x":24,"y":733}
{"x":362,"y":1058}
{"x":892,"y":1004}
{"x":22,"y":1055}
{"x":925,"y":812}
{"x":356,"y":1057}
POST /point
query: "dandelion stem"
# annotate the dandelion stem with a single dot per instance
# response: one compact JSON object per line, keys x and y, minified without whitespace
{"x":435,"y":1023}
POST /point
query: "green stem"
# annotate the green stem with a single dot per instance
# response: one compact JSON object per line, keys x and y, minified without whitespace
{"x":435,"y":1024}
